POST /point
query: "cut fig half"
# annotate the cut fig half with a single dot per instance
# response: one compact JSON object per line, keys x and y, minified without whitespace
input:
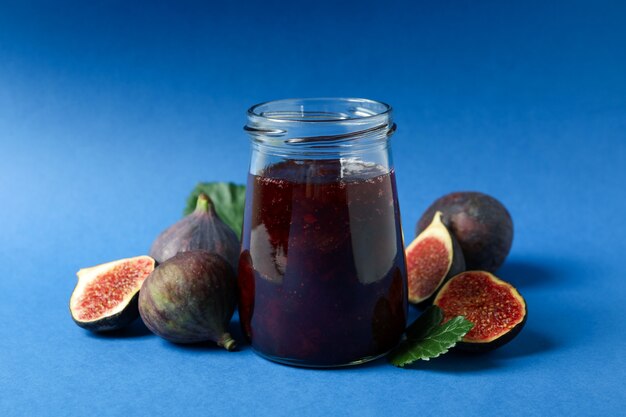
{"x":496,"y":308}
{"x":432,"y":258}
{"x":105,"y":297}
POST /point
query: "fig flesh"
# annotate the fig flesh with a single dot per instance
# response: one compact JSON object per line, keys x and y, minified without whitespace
{"x":432,"y":258}
{"x":200,"y":230}
{"x":495,"y":307}
{"x":190,"y":298}
{"x":480,"y":223}
{"x":105,"y":297}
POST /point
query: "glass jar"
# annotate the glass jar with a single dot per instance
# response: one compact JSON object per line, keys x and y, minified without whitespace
{"x":322,"y":273}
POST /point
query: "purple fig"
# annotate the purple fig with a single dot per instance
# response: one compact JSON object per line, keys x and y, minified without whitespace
{"x":190,"y":298}
{"x":481,"y":225}
{"x":200,"y":230}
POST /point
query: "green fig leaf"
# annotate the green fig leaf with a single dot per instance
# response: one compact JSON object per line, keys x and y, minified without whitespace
{"x":228,"y":199}
{"x":433,"y":343}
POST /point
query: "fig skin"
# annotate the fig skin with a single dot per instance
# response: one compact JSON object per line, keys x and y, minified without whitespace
{"x":190,"y":298}
{"x":119,"y":320}
{"x":458,"y":263}
{"x":495,"y":344}
{"x":200,"y":230}
{"x":485,"y":346}
{"x":481,"y":224}
{"x":456,"y":266}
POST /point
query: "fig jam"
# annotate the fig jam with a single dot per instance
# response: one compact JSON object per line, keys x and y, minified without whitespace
{"x":322,"y":273}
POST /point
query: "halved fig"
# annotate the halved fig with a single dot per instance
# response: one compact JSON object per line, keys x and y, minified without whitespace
{"x":105,"y":297}
{"x":432,"y":258}
{"x":496,"y":308}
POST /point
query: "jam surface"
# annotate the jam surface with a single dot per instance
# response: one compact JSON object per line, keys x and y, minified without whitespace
{"x":322,"y":273}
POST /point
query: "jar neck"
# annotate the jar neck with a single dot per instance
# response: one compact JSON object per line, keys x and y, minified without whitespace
{"x":319,"y":127}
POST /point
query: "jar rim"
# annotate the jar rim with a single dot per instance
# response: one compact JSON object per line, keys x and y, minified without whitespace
{"x":322,"y":124}
{"x":286,"y":110}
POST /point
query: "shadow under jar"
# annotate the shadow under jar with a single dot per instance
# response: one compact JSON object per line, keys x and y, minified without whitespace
{"x":322,"y":273}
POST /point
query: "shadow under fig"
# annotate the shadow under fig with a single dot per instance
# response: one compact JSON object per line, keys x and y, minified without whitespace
{"x":455,"y":362}
{"x":528,"y":343}
{"x":234,"y":329}
{"x":134,"y":330}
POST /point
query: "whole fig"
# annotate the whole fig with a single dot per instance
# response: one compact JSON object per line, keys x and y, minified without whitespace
{"x":200,"y":230}
{"x":481,"y":224}
{"x":190,"y":298}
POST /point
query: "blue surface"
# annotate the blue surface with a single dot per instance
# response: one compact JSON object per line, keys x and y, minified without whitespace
{"x":110,"y":112}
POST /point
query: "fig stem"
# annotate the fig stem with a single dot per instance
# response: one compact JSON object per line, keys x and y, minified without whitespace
{"x":227,"y":342}
{"x":203,"y":203}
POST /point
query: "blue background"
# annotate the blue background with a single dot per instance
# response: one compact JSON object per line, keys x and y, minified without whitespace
{"x":110,"y":113}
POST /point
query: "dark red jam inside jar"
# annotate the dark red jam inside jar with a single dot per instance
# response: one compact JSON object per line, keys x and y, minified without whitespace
{"x":322,"y":273}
